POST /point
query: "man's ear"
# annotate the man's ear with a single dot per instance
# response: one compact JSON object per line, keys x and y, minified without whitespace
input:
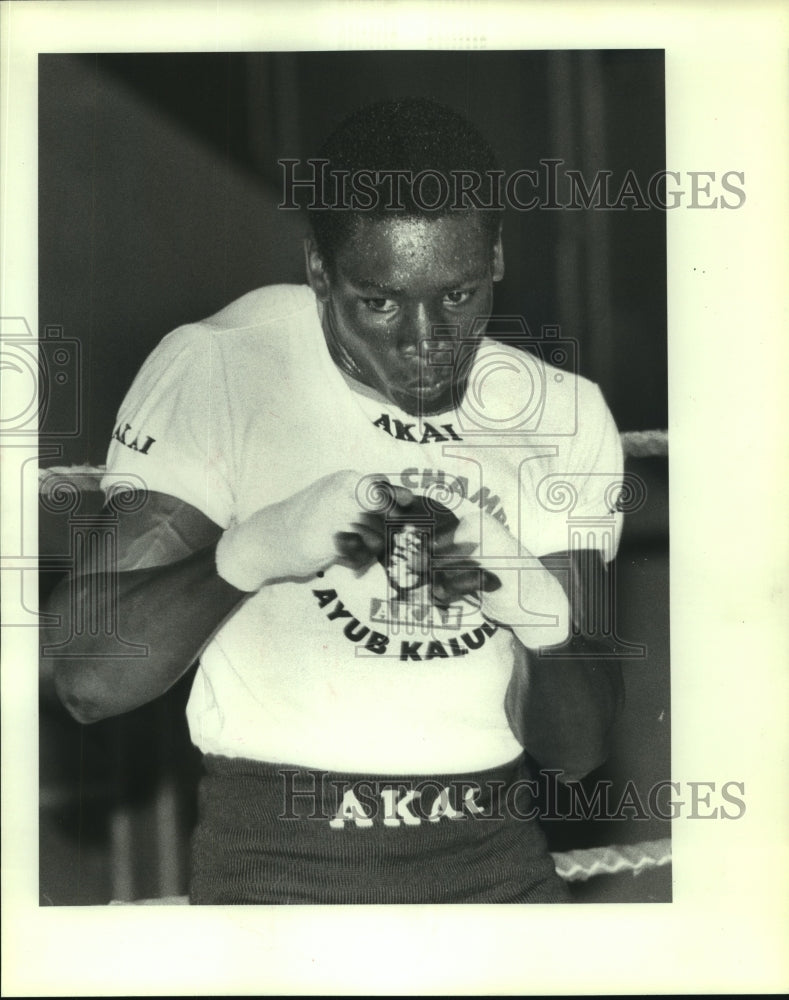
{"x":498,"y":258}
{"x":317,"y":274}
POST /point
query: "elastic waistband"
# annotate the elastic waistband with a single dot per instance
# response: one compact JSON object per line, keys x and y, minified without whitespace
{"x":289,"y":791}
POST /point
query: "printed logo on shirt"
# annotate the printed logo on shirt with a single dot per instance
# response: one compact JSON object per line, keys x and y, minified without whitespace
{"x":124,"y":434}
{"x":409,"y":649}
{"x":430,"y":479}
{"x":409,"y":607}
{"x":402,"y":431}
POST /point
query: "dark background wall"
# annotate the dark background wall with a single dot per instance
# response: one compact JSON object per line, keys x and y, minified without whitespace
{"x":158,"y":194}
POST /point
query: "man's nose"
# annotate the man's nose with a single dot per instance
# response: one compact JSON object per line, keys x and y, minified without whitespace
{"x":417,"y":326}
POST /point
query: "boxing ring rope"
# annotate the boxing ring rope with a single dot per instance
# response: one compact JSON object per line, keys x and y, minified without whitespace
{"x":635,"y":444}
{"x":645,"y":444}
{"x":572,"y":866}
{"x":581,"y":865}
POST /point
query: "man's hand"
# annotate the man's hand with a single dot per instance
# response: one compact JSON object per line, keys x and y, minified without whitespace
{"x":337,"y":519}
{"x":482,"y":557}
{"x":455,"y":573}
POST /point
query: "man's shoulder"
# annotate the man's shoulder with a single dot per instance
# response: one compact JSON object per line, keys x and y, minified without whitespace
{"x":548,"y":362}
{"x":232,"y":334}
{"x":522,"y":388}
{"x":261,"y":307}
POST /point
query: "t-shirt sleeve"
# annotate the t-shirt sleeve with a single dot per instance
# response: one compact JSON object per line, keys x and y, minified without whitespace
{"x":578,"y":497}
{"x":172,"y":434}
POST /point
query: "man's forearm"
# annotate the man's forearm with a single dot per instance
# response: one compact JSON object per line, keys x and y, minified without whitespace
{"x":172,"y":610}
{"x":570,"y":695}
{"x":567,"y":705}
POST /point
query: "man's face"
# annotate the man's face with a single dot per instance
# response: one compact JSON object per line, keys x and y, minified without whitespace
{"x":398,"y":283}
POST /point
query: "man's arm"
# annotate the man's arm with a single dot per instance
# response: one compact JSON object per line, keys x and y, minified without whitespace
{"x":563,"y":702}
{"x":180,"y":576}
{"x":566,"y":688}
{"x":169,"y":596}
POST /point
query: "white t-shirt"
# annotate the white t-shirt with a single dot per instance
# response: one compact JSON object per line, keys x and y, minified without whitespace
{"x":351,"y":672}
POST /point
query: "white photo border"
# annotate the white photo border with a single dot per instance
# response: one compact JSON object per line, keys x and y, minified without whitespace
{"x":727,"y":79}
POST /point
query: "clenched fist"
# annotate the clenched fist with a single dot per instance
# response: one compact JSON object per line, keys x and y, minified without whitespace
{"x":337,"y":519}
{"x":514,"y":588}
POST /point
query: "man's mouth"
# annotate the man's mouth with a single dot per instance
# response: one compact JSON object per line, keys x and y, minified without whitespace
{"x":424,"y":397}
{"x":426,"y":387}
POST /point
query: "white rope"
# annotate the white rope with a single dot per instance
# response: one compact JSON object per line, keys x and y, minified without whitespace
{"x":579,"y":866}
{"x":644,"y":444}
{"x":87,"y":477}
{"x":635,"y":444}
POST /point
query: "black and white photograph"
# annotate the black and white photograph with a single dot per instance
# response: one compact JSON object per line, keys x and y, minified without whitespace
{"x":357,"y":589}
{"x":473,"y":364}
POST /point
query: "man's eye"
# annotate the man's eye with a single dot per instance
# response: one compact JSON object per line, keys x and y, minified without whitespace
{"x":459,"y":297}
{"x":380,"y":305}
